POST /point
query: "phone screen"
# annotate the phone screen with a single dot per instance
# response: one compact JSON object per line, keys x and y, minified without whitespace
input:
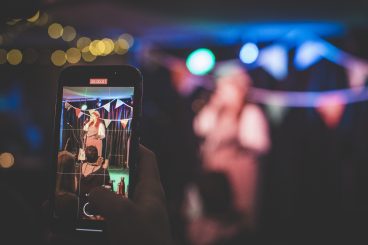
{"x":94,"y":146}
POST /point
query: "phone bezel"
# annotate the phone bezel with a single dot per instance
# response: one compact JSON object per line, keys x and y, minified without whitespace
{"x":118,"y":76}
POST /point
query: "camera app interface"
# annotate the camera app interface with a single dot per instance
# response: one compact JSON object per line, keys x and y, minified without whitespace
{"x":95,"y":133}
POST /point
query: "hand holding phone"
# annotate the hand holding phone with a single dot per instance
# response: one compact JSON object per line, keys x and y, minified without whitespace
{"x":142,"y":220}
{"x":97,"y":114}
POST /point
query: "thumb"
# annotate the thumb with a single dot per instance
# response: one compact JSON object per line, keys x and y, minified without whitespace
{"x":109,"y":204}
{"x":123,"y":221}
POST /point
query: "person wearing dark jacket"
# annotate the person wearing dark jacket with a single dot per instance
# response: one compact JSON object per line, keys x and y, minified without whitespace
{"x":92,"y":174}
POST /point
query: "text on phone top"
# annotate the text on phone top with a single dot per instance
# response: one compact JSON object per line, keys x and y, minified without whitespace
{"x":98,"y":81}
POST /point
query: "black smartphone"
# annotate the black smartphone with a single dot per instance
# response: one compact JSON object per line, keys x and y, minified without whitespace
{"x":96,"y":126}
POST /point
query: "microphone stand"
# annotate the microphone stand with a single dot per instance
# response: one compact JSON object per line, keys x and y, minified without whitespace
{"x":67,"y":141}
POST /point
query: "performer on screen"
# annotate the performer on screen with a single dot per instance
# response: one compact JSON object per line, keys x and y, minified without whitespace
{"x":95,"y":132}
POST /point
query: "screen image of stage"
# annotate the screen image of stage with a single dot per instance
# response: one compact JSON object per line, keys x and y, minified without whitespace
{"x":95,"y":132}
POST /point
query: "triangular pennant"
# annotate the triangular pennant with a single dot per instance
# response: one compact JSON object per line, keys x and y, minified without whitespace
{"x":78,"y":112}
{"x":118,"y":103}
{"x":67,"y":106}
{"x":124,"y":122}
{"x":107,"y":122}
{"x":357,"y":72}
{"x":81,"y":154}
{"x":331,"y":109}
{"x":107,"y":107}
{"x":308,"y":54}
{"x":276,"y":113}
{"x":274,"y":60}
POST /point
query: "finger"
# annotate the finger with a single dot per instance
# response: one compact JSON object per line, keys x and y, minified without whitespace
{"x":148,"y":186}
{"x":124,"y":222}
{"x":109,"y":204}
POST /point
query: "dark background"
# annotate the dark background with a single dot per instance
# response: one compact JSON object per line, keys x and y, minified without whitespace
{"x":314,"y":180}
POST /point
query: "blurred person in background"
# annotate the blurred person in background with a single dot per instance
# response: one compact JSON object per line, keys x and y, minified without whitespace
{"x":66,"y":185}
{"x":234,"y":135}
{"x":92,"y":174}
{"x":210,"y":211}
{"x":66,"y":203}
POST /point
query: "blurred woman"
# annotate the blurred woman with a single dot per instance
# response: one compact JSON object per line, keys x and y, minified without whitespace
{"x":235,"y":134}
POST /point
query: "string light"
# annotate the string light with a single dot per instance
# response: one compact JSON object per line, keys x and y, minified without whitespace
{"x":128,"y":38}
{"x":14,"y":56}
{"x":35,"y":17}
{"x":69,"y":33}
{"x":88,"y":57}
{"x":73,"y":55}
{"x":108,"y":46}
{"x":121,"y":46}
{"x":86,"y":49}
{"x":97,"y":47}
{"x":83,"y":44}
{"x":248,"y":53}
{"x":93,"y":47}
{"x":200,"y":61}
{"x":58,"y":58}
{"x":100,"y":45}
{"x":6,"y":160}
{"x":55,"y":30}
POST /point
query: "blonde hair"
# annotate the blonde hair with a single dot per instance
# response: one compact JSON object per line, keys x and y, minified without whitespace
{"x":65,"y":179}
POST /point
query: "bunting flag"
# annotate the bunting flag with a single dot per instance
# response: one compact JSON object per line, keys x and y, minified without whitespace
{"x":118,"y":103}
{"x":275,"y":61}
{"x":276,"y":113}
{"x":331,"y":108}
{"x":67,"y":106}
{"x":107,"y":122}
{"x":78,"y":112}
{"x":124,"y":122}
{"x":81,"y":154}
{"x":275,"y":108}
{"x":107,"y":107}
{"x":308,"y":54}
{"x":357,"y":72}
